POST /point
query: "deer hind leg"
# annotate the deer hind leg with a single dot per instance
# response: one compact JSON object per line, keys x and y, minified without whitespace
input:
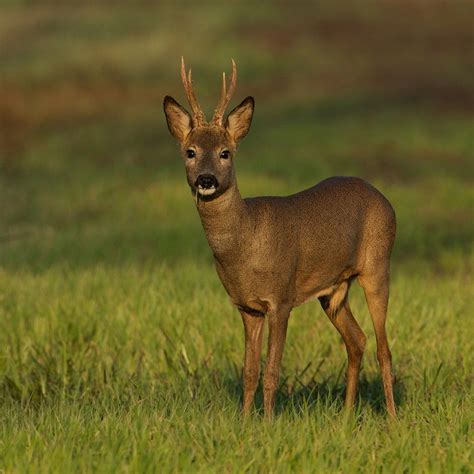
{"x":353,"y":336}
{"x":253,"y":326}
{"x":376,"y":289}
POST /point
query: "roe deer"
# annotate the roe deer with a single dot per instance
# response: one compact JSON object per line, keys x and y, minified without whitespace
{"x":274,"y":253}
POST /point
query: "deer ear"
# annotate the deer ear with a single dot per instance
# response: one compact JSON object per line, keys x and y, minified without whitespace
{"x":179,"y":121}
{"x":239,"y":120}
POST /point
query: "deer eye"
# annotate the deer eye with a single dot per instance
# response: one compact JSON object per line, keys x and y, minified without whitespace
{"x":225,"y":154}
{"x":190,"y":153}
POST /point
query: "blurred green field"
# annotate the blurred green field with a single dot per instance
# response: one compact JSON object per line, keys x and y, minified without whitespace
{"x":119,"y":350}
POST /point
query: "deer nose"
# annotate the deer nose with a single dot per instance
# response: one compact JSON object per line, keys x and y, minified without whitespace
{"x":206,"y":181}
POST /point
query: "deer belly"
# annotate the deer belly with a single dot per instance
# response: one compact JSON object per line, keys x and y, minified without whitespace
{"x":321,"y":284}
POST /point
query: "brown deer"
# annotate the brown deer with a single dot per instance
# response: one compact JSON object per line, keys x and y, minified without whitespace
{"x":275,"y":253}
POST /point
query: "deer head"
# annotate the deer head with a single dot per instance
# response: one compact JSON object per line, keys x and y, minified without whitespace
{"x":208,"y":148}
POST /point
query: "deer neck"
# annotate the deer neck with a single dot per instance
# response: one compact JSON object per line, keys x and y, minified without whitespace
{"x":223,"y":220}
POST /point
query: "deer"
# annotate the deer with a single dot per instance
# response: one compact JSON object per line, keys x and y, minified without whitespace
{"x":273,"y":253}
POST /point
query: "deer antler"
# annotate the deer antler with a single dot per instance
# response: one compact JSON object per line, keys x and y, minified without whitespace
{"x":226,"y":95}
{"x":198,"y":115}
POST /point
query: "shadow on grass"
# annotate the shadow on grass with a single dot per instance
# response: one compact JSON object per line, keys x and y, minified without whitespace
{"x":327,"y":393}
{"x":39,"y":384}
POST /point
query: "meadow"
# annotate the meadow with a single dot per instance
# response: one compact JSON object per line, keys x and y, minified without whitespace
{"x":119,"y":349}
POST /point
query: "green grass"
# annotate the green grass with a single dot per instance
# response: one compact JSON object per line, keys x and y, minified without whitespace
{"x":133,"y":367}
{"x":119,"y":350}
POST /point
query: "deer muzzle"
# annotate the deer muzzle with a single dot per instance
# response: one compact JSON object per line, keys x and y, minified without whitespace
{"x":206,"y":184}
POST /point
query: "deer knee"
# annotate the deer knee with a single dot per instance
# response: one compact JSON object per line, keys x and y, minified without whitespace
{"x":250,"y":379}
{"x":355,"y":350}
{"x":361,"y":343}
{"x":270,"y":380}
{"x":384,"y":356}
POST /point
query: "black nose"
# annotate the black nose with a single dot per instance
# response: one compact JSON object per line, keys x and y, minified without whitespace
{"x":206,"y":181}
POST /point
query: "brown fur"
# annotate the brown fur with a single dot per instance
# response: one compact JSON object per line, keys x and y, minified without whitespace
{"x":275,"y":253}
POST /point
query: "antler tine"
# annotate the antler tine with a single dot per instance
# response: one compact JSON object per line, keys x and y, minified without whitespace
{"x":233,"y":80}
{"x":198,"y":114}
{"x":223,"y":91}
{"x":226,"y":95}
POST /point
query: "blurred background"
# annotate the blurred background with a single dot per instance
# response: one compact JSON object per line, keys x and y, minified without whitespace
{"x":89,"y":173}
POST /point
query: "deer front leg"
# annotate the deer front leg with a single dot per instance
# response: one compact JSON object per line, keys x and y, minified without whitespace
{"x":253,"y":326}
{"x":277,"y":326}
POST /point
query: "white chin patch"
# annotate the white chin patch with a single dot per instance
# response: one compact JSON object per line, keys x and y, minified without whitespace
{"x":206,"y":191}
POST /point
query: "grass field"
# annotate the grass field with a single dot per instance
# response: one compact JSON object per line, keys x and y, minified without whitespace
{"x":119,"y":350}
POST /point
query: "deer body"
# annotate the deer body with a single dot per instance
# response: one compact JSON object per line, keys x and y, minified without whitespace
{"x":288,"y":250}
{"x":275,"y":253}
